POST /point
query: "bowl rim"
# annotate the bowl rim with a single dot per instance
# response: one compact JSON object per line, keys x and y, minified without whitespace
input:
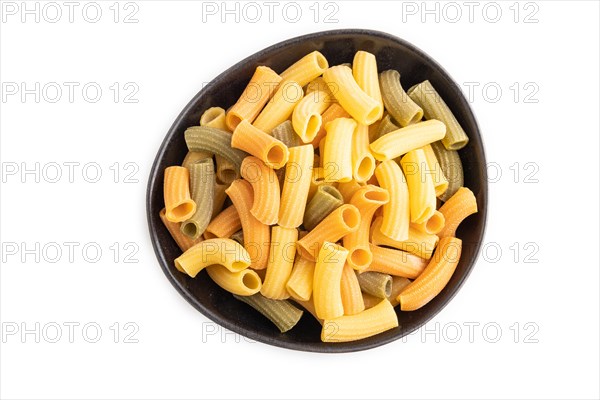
{"x":343,"y":347}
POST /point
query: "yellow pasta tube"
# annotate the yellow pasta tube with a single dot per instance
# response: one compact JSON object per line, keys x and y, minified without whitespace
{"x":257,"y":143}
{"x":300,"y":284}
{"x":327,"y":281}
{"x":336,"y":225}
{"x":418,"y":243}
{"x":396,"y":213}
{"x":367,"y":199}
{"x":266,"y":190}
{"x":433,"y":225}
{"x":434,"y":278}
{"x":295,"y":187}
{"x":362,"y":107}
{"x":364,"y":70}
{"x":225,"y":252}
{"x":334,"y":111}
{"x":368,"y":323}
{"x":420,"y":186}
{"x":352,"y":298}
{"x":395,"y":262}
{"x":178,"y":203}
{"x":347,"y":189}
{"x":306,"y":117}
{"x":306,"y":69}
{"x":337,"y":152}
{"x":262,"y":85}
{"x":281,"y":261}
{"x":183,"y":241}
{"x":458,"y":207}
{"x":214,"y":117}
{"x":363,"y":162}
{"x":256,"y":234}
{"x":243,"y":283}
{"x":280,"y":107}
{"x":225,"y":224}
{"x":435,"y":170}
{"x":411,"y":137}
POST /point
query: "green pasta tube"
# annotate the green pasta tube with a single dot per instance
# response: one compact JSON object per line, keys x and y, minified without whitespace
{"x":375,"y":284}
{"x":285,"y":133}
{"x":215,"y":141}
{"x":238,"y":237}
{"x":434,"y":107}
{"x":202,"y":182}
{"x":386,"y":126}
{"x":451,"y":167}
{"x":404,"y":110}
{"x":324,"y":202}
{"x":281,"y":312}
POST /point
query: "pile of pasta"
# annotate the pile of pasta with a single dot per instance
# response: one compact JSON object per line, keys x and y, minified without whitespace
{"x":344,"y":195}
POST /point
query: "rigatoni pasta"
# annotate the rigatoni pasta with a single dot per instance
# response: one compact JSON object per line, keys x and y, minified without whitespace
{"x":261,"y":87}
{"x":333,"y":196}
{"x":179,"y":205}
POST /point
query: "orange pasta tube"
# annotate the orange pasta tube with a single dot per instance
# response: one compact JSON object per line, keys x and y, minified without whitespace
{"x":336,"y":225}
{"x":257,"y":143}
{"x":294,"y":195}
{"x":261,"y":87}
{"x":367,"y":199}
{"x":418,"y":243}
{"x":433,"y":225}
{"x":434,"y":278}
{"x":281,"y":261}
{"x":266,"y":189}
{"x":179,"y":205}
{"x":183,"y":241}
{"x":334,"y":111}
{"x":327,"y":281}
{"x":256,"y":234}
{"x":456,"y":209}
{"x":224,"y":225}
{"x":352,"y":298}
{"x":395,"y":262}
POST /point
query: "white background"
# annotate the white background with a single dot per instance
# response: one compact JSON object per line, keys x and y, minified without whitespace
{"x":541,"y":337}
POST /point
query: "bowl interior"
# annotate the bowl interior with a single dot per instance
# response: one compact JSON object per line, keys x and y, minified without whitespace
{"x":339,"y":47}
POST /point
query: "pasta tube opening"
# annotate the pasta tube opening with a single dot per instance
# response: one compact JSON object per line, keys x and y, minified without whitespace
{"x":351,"y":217}
{"x":251,"y":280}
{"x":276,"y":155}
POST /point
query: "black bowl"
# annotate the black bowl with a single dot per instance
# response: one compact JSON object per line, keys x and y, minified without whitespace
{"x":339,"y":47}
